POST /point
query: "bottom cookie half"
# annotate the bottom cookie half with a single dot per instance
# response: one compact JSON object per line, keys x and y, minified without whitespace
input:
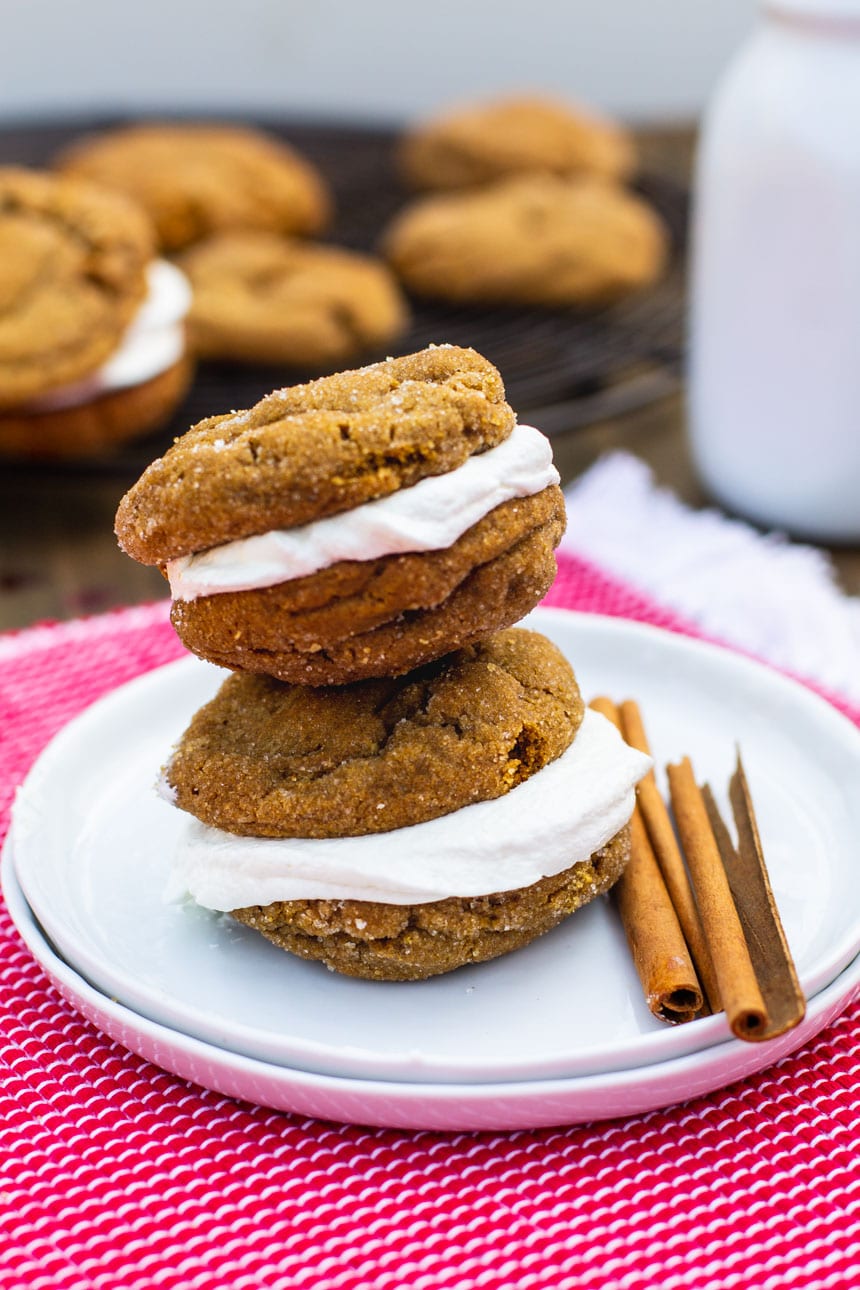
{"x":384,"y":617}
{"x":98,"y":426}
{"x":411,"y":942}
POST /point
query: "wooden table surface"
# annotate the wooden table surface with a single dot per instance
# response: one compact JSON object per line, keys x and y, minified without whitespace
{"x":58,"y":554}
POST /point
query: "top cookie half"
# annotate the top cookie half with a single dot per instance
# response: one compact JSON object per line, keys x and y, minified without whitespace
{"x":315,"y":450}
{"x":360,"y":525}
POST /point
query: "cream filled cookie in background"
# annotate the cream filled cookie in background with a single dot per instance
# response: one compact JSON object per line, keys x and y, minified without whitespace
{"x":153,"y":342}
{"x":92,"y":335}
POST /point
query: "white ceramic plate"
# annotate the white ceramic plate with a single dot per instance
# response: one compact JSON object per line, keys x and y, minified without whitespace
{"x":92,"y":850}
{"x":440,"y":1107}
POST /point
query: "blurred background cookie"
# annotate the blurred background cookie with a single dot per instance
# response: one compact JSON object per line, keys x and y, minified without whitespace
{"x":359,"y":525}
{"x":199,"y":179}
{"x":474,"y":145}
{"x":92,"y":344}
{"x":533,"y":239}
{"x":261,"y":298}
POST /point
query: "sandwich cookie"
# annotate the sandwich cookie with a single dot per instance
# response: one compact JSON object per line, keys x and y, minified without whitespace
{"x":359,"y":525}
{"x":92,"y":340}
{"x":399,"y":828}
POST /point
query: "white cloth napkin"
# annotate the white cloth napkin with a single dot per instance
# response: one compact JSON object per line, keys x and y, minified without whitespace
{"x":775,"y":598}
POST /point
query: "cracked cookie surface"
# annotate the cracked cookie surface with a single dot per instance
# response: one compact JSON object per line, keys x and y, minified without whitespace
{"x":267,"y":759}
{"x":72,"y":274}
{"x":533,"y":239}
{"x":314,"y":450}
{"x":262,"y":298}
{"x":199,"y":179}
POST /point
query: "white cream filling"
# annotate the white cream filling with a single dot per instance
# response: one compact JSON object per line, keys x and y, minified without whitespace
{"x":429,"y":516}
{"x":152,"y":343}
{"x":559,"y":816}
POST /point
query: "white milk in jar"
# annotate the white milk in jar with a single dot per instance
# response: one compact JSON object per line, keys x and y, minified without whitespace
{"x":774,"y":375}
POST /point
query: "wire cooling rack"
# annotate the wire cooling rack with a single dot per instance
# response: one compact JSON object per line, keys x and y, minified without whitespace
{"x":562,"y":369}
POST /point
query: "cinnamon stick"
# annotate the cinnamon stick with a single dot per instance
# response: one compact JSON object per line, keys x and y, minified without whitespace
{"x":750,"y":886}
{"x":736,"y":980}
{"x":657,"y":944}
{"x":662,"y":837}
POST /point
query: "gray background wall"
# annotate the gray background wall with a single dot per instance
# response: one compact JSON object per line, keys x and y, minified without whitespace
{"x":378,"y":60}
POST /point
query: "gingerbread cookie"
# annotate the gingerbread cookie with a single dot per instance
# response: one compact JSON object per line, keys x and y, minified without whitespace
{"x":382,"y":942}
{"x":531,"y":240}
{"x":268,"y":759}
{"x":357,"y":526}
{"x":92,"y":342}
{"x":396,"y":829}
{"x":195,"y":180}
{"x":477,"y":145}
{"x":261,"y":298}
{"x":72,"y":275}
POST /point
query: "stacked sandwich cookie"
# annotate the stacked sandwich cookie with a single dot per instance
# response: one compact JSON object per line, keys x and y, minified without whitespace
{"x":395,"y":780}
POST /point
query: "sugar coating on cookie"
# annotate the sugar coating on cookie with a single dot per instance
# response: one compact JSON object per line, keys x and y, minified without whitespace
{"x":263,"y":298}
{"x":383,"y":942}
{"x":199,"y":179}
{"x":554,"y":818}
{"x":267,"y":759}
{"x":477,"y":144}
{"x":533,"y":239}
{"x":313,"y":450}
{"x":73,"y":261}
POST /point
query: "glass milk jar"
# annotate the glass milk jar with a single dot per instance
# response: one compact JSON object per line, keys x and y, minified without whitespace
{"x":774,"y":375}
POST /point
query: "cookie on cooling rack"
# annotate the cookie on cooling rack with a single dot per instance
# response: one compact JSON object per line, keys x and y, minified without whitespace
{"x":359,"y":525}
{"x":475,"y":145}
{"x":531,"y":240}
{"x":261,"y":298}
{"x":92,"y":339}
{"x":198,"y":179}
{"x":399,"y":828}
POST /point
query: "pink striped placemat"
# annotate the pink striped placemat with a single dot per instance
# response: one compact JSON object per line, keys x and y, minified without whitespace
{"x":116,"y":1174}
